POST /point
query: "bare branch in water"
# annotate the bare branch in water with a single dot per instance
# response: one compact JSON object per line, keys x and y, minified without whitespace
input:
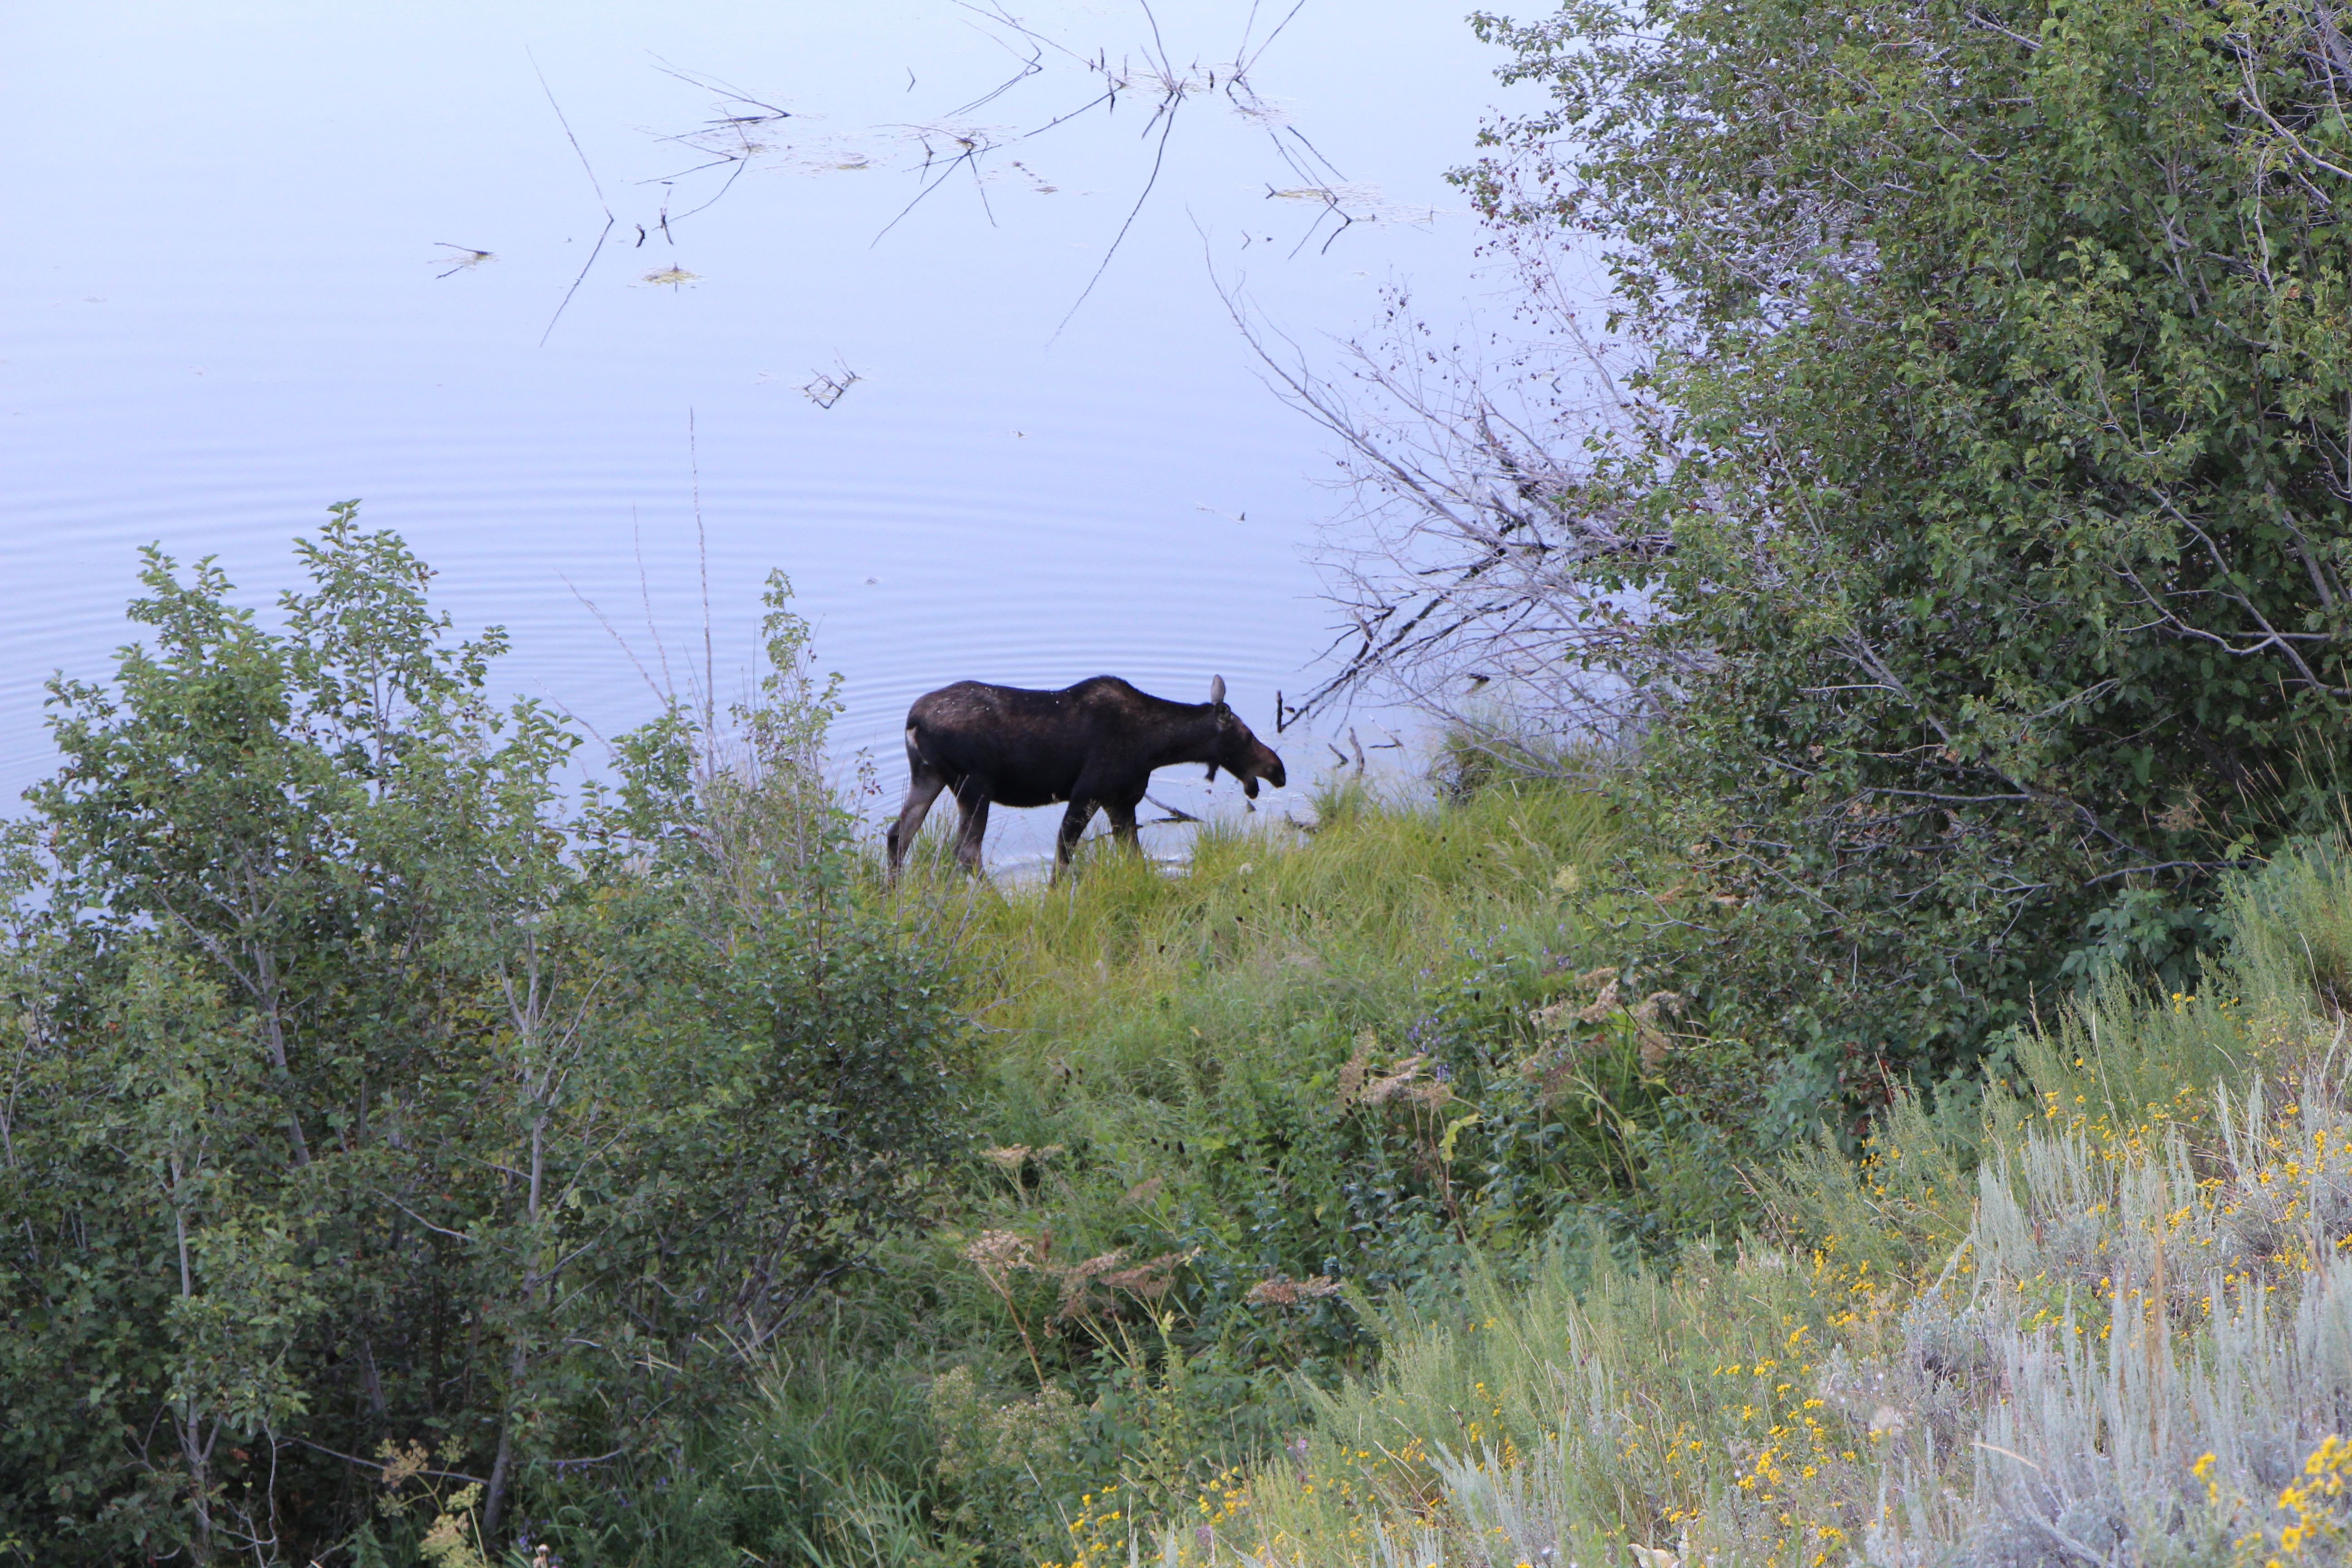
{"x":1489,"y":570}
{"x":1159,"y":155}
{"x":594,"y":184}
{"x":828,"y":389}
{"x":734,"y":140}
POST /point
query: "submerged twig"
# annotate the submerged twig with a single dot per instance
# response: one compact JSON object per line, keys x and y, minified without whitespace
{"x":594,"y":184}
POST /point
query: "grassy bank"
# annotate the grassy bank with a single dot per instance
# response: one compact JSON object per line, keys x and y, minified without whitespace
{"x":1350,"y":1198}
{"x":1213,"y":1105}
{"x":2115,"y":1327}
{"x":1210,"y":1099}
{"x":1347,"y":1199}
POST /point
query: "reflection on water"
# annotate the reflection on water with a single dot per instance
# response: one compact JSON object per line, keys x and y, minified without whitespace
{"x":316,"y":255}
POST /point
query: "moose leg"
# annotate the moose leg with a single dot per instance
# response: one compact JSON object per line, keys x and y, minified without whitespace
{"x":921,"y":790}
{"x":1122,"y":824}
{"x":1074,"y":826}
{"x":974,"y":802}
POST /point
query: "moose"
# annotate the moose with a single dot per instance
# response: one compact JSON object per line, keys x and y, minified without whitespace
{"x":1093,"y":745}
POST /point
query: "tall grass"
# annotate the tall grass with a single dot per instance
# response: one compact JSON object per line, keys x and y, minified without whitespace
{"x":1131,"y":1010}
{"x":1349,"y":916}
{"x":2114,"y":1326}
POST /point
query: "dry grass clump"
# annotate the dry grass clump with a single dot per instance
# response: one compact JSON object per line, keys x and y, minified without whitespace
{"x":2117,"y":1327}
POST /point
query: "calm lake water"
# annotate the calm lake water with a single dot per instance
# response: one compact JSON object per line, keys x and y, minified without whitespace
{"x":243,"y":284}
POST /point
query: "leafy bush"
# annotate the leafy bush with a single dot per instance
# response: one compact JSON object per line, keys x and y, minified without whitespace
{"x":1985,"y":463}
{"x":367,"y":1100}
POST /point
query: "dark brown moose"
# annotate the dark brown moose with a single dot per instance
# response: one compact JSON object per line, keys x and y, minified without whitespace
{"x":1093,"y":745}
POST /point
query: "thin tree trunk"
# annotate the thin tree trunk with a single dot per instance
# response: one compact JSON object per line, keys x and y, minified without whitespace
{"x":264,"y":966}
{"x":494,"y":1500}
{"x":526,"y":1021}
{"x":197,"y":1456}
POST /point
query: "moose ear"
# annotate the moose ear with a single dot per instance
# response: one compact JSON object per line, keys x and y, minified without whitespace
{"x":1216,"y":691}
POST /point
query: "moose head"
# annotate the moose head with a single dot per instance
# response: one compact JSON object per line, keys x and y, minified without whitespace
{"x":1238,"y":752}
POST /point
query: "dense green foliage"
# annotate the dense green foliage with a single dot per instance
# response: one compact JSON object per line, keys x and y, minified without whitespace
{"x":380,"y":1128}
{"x":1997,"y":356}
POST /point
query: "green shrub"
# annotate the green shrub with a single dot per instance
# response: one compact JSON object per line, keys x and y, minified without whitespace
{"x":365,"y":1092}
{"x":1006,"y":1463}
{"x":1997,"y":548}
